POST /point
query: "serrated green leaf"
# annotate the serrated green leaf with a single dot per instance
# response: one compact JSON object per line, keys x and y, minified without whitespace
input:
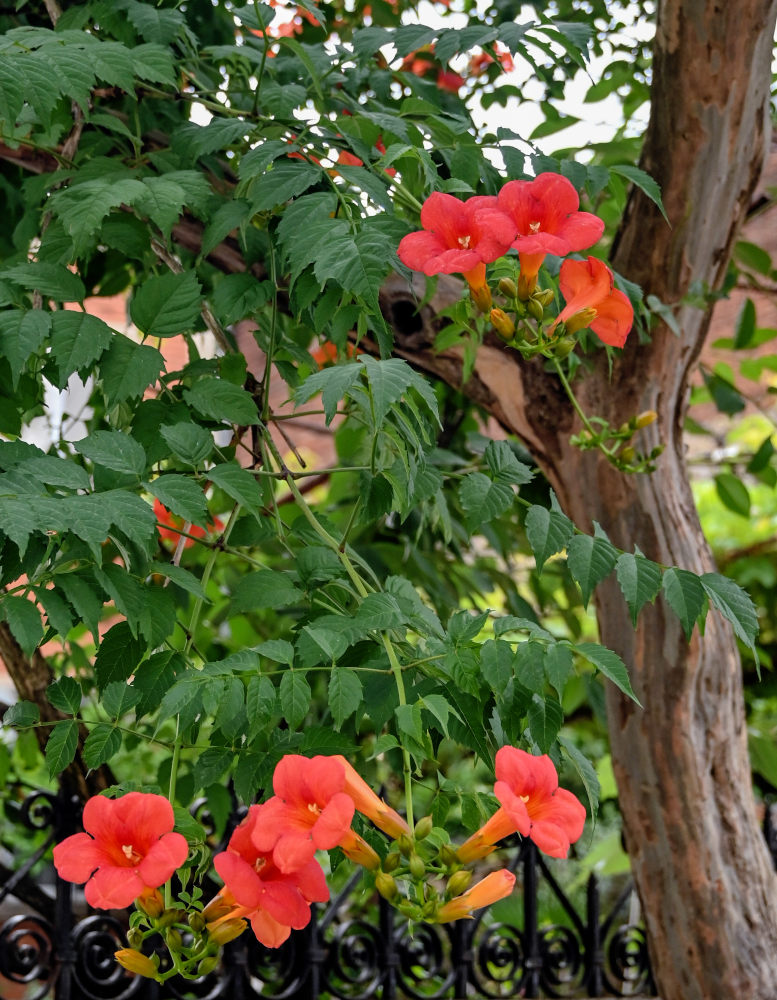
{"x":55,"y":471}
{"x":345,"y":694}
{"x":586,"y":772}
{"x":118,"y":655}
{"x":54,"y":281}
{"x":685,"y":594}
{"x":230,"y":717}
{"x":118,"y":699}
{"x":504,"y":466}
{"x":237,"y":296}
{"x":379,"y":611}
{"x":734,"y":604}
{"x":180,"y":577}
{"x":65,"y":694}
{"x":264,"y":589}
{"x":21,"y":334}
{"x":85,"y":600}
{"x":114,"y":450}
{"x":744,"y":330}
{"x":221,"y":400}
{"x":248,"y":774}
{"x":529,"y":659}
{"x":228,"y":217}
{"x":590,"y":560}
{"x":61,"y":746}
{"x":557,"y":662}
{"x":189,"y":442}
{"x":153,"y":679}
{"x":496,"y":664}
{"x":482,"y":499}
{"x":127,"y":369}
{"x":237,"y":483}
{"x":82,"y":207}
{"x":261,"y":703}
{"x":167,"y":305}
{"x":211,"y":765}
{"x":545,"y":717}
{"x":640,"y":581}
{"x":24,"y":621}
{"x":22,"y":714}
{"x":295,"y":697}
{"x":609,"y":664}
{"x":77,"y":341}
{"x":102,"y":743}
{"x":733,"y":493}
{"x":277,"y":650}
{"x":441,"y":709}
{"x":182,"y":496}
{"x":548,"y":532}
{"x":12,"y":92}
{"x":283,"y":181}
{"x":57,"y":611}
{"x":334,"y":384}
{"x":643,"y":181}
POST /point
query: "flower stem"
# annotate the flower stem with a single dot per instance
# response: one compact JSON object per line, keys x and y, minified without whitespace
{"x":573,"y":398}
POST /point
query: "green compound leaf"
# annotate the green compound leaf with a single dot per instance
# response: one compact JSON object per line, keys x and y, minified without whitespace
{"x":118,"y":655}
{"x":24,"y":621}
{"x":182,"y":496}
{"x":685,"y":594}
{"x":586,"y":772}
{"x":114,"y":450}
{"x":608,"y":663}
{"x":640,"y":581}
{"x":548,"y":532}
{"x":482,"y":499}
{"x":21,"y":715}
{"x":221,"y":400}
{"x":65,"y":694}
{"x":545,"y":718}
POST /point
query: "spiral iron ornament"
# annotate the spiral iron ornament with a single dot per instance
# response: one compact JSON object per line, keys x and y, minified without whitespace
{"x":499,"y":960}
{"x":26,"y":954}
{"x":355,"y":960}
{"x":628,"y":964}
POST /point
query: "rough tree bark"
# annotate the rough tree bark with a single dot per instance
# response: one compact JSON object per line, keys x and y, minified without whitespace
{"x":707,"y":887}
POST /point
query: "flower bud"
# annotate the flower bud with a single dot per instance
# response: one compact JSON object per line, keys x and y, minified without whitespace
{"x":628,"y":454}
{"x":503,"y":325}
{"x":535,"y":309}
{"x":227,"y":931}
{"x":508,"y":287}
{"x":408,"y":909}
{"x":171,"y":916}
{"x":197,"y":922}
{"x":580,"y":320}
{"x":564,"y":346}
{"x":481,"y":296}
{"x":458,"y":882}
{"x":135,"y":938}
{"x":386,"y":886}
{"x":423,"y":827}
{"x":207,"y":965}
{"x":645,"y":419}
{"x":391,"y":861}
{"x":448,"y":855}
{"x":658,"y":450}
{"x":544,"y":297}
{"x":416,"y":865}
{"x":405,"y":844}
{"x":173,"y":939}
{"x":135,"y":961}
{"x":429,"y":909}
{"x":526,"y":285}
{"x":218,"y":907}
{"x":151,"y":903}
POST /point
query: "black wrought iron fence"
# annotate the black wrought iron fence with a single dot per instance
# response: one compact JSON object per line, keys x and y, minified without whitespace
{"x":51,"y":949}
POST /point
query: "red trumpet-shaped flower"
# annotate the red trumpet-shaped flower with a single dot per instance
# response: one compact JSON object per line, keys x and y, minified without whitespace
{"x":488,"y":890}
{"x":458,"y":237}
{"x":592,"y":300}
{"x":545,"y":212}
{"x":255,"y":887}
{"x":531,"y":804}
{"x":128,"y":849}
{"x":311,"y":810}
{"x":371,"y":805}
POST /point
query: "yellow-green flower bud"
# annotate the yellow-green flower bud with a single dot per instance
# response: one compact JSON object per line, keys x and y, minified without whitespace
{"x":580,"y":320}
{"x":227,"y":931}
{"x":503,"y":325}
{"x":481,"y":296}
{"x":544,"y":297}
{"x":386,"y":886}
{"x":135,"y":938}
{"x":448,"y":855}
{"x":135,"y":961}
{"x":197,"y":922}
{"x":405,"y":844}
{"x":172,"y":916}
{"x":391,"y":861}
{"x":458,"y":882}
{"x":508,"y":287}
{"x":151,"y":903}
{"x":645,"y":419}
{"x":416,"y":865}
{"x":628,"y":454}
{"x":423,"y":827}
{"x":429,"y":909}
{"x":207,"y":965}
{"x":535,"y":309}
{"x":564,"y":346}
{"x":173,"y":939}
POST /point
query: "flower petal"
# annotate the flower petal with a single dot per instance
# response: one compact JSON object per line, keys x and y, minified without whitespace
{"x":293,"y":850}
{"x":162,"y":859}
{"x":113,"y":888}
{"x":268,"y":930}
{"x":77,"y":857}
{"x":240,"y":878}
{"x":285,"y":902}
{"x":614,"y":319}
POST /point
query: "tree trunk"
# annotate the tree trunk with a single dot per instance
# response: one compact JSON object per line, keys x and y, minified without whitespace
{"x":707,"y":886}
